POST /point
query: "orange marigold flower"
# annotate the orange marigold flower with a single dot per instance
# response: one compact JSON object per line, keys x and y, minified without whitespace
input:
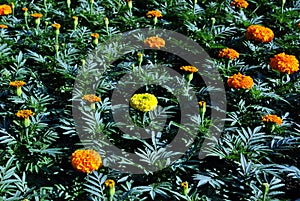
{"x":272,"y":119}
{"x":259,"y":33}
{"x":86,"y":160}
{"x":92,"y":98}
{"x":3,"y":26}
{"x":153,"y":13}
{"x":299,"y":25}
{"x":5,"y":9}
{"x":24,"y":114}
{"x":95,"y":35}
{"x":36,"y":15}
{"x":25,"y":9}
{"x":155,"y":42}
{"x":17,"y":83}
{"x":239,"y":3}
{"x":56,"y":26}
{"x":189,"y":69}
{"x":239,"y":81}
{"x":228,"y":53}
{"x":285,"y":63}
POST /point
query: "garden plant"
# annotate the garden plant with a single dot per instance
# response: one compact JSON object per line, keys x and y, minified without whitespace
{"x":159,"y":100}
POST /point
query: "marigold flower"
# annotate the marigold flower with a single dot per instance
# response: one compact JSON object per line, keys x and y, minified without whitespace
{"x":75,"y":17}
{"x":153,"y":13}
{"x":155,"y":42}
{"x":24,"y":114}
{"x":143,"y":102}
{"x":239,"y":3}
{"x":92,"y":98}
{"x":228,"y":53}
{"x":5,"y":9}
{"x":3,"y":26}
{"x":25,"y":9}
{"x":36,"y":15}
{"x":202,"y":103}
{"x":17,"y":83}
{"x":95,"y":35}
{"x":86,"y":161}
{"x":285,"y":63}
{"x":239,"y":81}
{"x":56,"y":26}
{"x":259,"y":33}
{"x":184,"y":187}
{"x":110,"y":187}
{"x":272,"y":119}
{"x":299,"y":25}
{"x":189,"y":69}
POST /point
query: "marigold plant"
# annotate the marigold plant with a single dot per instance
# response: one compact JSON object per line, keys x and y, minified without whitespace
{"x":143,"y":102}
{"x":259,"y":33}
{"x":239,"y":3}
{"x":270,"y":118}
{"x":86,"y":161}
{"x":5,"y":9}
{"x":155,"y":42}
{"x":228,"y":53}
{"x":239,"y":81}
{"x":284,"y":63}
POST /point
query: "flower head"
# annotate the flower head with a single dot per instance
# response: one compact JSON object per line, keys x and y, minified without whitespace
{"x":75,"y":18}
{"x":24,"y":114}
{"x":17,"y":83}
{"x":86,"y":160}
{"x":239,"y":3}
{"x":202,"y":104}
{"x":144,"y":102}
{"x":239,"y":81}
{"x":259,"y":33}
{"x":5,"y":9}
{"x":155,"y":42}
{"x":153,"y":13}
{"x":109,"y":183}
{"x":189,"y":69}
{"x":36,"y":15}
{"x":92,"y":98}
{"x":228,"y":53}
{"x":184,"y":187}
{"x":56,"y":26}
{"x":25,"y":9}
{"x":272,"y":119}
{"x":3,"y":26}
{"x":284,"y":63}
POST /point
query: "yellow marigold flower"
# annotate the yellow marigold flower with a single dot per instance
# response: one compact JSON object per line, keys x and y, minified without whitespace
{"x":184,"y":187}
{"x":153,"y":13}
{"x":285,"y":63}
{"x":239,"y":3}
{"x":36,"y":15}
{"x":25,"y":9}
{"x":24,"y":114}
{"x":155,"y":42}
{"x":86,"y":160}
{"x":202,"y":104}
{"x":17,"y":83}
{"x":92,"y":98}
{"x":56,"y":26}
{"x":228,"y":53}
{"x":95,"y":35}
{"x":5,"y":9}
{"x":259,"y":33}
{"x":3,"y":26}
{"x":110,"y":187}
{"x":189,"y":69}
{"x":272,"y":119}
{"x":75,"y":17}
{"x":239,"y":81}
{"x":144,"y":102}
